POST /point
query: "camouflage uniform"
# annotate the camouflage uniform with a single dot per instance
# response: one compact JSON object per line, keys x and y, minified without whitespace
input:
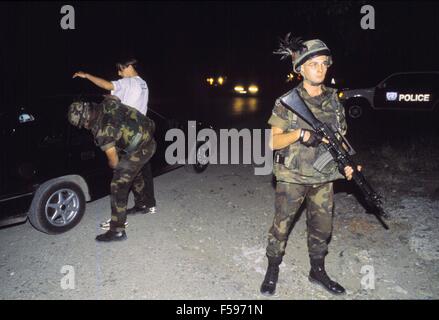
{"x":118,"y":125}
{"x":297,"y":177}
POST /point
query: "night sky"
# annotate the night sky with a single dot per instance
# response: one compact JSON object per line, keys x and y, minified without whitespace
{"x":180,"y":43}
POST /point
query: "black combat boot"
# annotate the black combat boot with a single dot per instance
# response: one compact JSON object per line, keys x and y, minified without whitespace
{"x":318,"y":275}
{"x":112,"y":236}
{"x":268,"y":286}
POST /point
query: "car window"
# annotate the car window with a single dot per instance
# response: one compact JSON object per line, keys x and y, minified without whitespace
{"x":413,"y":80}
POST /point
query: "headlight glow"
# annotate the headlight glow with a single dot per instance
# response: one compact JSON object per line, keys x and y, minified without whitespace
{"x":253,"y":89}
{"x":239,"y":88}
{"x":220,"y":81}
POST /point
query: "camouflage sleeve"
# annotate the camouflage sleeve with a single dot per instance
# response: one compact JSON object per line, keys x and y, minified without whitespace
{"x":279,"y":116}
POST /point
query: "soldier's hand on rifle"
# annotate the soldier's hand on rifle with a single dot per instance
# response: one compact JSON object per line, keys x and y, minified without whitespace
{"x":80,"y":74}
{"x":310,"y":138}
{"x":348,"y":171}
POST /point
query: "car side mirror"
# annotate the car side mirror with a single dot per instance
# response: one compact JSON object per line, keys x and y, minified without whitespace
{"x":382,"y":85}
{"x":25,"y":117}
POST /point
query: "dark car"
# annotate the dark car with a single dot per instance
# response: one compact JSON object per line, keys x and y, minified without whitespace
{"x":400,"y":92}
{"x":50,"y":169}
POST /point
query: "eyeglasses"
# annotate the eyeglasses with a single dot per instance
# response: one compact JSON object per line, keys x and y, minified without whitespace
{"x":313,"y":65}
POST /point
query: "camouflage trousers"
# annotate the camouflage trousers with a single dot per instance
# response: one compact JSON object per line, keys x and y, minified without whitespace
{"x":319,"y":204}
{"x":143,"y":189}
{"x":128,"y":173}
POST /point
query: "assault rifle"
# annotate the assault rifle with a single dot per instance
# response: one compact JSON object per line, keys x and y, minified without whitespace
{"x":340,"y":150}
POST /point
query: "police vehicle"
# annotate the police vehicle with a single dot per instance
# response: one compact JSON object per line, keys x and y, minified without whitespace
{"x":404,"y":91}
{"x":50,"y":169}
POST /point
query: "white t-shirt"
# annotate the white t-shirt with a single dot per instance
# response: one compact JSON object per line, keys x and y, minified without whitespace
{"x":133,"y":92}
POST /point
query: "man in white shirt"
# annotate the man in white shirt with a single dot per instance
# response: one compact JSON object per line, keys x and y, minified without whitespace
{"x":133,"y":91}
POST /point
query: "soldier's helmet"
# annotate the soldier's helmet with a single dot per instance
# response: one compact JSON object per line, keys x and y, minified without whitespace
{"x":301,"y":51}
{"x":79,"y":113}
{"x":313,"y":48}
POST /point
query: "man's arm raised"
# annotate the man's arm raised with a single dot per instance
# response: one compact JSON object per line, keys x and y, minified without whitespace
{"x":101,"y":83}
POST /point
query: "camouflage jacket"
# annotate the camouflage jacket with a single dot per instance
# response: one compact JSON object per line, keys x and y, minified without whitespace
{"x":121,"y":126}
{"x":300,"y":161}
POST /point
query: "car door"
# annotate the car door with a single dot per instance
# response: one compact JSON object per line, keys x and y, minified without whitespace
{"x":407,"y":91}
{"x":386,"y":93}
{"x":423,"y":91}
{"x":17,"y":166}
{"x":88,"y":161}
{"x":67,"y":150}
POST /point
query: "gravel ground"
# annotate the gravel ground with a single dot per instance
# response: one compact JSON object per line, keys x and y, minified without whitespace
{"x":208,"y":240}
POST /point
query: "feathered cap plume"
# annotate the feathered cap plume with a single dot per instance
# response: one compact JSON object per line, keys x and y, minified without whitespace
{"x":290,"y":47}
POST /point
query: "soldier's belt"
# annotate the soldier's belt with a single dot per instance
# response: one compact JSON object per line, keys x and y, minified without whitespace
{"x":134,"y":143}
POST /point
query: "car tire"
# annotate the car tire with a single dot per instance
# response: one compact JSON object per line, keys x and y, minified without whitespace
{"x":57,"y":207}
{"x":358,"y":111}
{"x":355,"y":110}
{"x":202,"y":158}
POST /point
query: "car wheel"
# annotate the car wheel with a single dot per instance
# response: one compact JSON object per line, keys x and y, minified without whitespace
{"x":358,"y":110}
{"x":57,"y":207}
{"x":355,"y":111}
{"x":202,"y":157}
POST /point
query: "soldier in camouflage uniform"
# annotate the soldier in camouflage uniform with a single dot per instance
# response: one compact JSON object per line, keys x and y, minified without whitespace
{"x":126,"y":137}
{"x":302,"y":167}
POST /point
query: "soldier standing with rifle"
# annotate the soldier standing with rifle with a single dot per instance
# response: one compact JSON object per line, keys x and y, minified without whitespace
{"x":298,"y":164}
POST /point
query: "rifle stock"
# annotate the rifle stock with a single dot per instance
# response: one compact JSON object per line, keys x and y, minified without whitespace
{"x":292,"y":98}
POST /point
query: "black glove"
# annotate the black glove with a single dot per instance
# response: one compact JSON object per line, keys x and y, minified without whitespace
{"x":314,"y":138}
